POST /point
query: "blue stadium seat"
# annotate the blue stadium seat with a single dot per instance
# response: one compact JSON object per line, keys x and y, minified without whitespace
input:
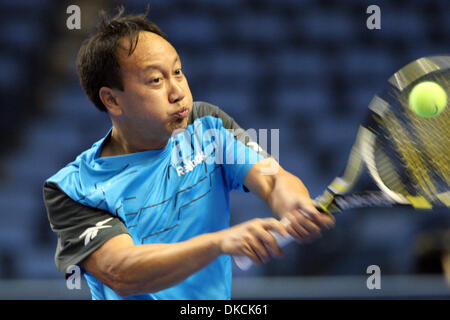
{"x":358,"y":100}
{"x":71,"y":102}
{"x":362,"y":3}
{"x":34,"y":167}
{"x":258,"y":27}
{"x":238,"y":103}
{"x":418,"y":50}
{"x":394,"y":238}
{"x":445,"y":17}
{"x":12,"y":74}
{"x":51,"y":134}
{"x":294,"y":4}
{"x":303,"y":64}
{"x":326,"y":26}
{"x":222,"y":5}
{"x":15,"y":234}
{"x":52,"y":145}
{"x":410,"y":24}
{"x":140,"y":5}
{"x":38,"y":264}
{"x":17,"y":205}
{"x":335,"y":132}
{"x":47,"y":146}
{"x":365,"y":62}
{"x":310,"y":101}
{"x":23,"y":34}
{"x":196,"y":30}
{"x":70,"y":105}
{"x":25,"y":5}
{"x":231,"y":63}
{"x":296,"y":160}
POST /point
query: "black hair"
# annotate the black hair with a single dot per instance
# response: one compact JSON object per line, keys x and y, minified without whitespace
{"x":98,"y":63}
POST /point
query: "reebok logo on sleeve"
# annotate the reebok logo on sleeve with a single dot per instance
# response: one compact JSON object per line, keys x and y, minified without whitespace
{"x":91,"y":233}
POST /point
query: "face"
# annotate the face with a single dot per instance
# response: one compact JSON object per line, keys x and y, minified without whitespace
{"x":156,"y":99}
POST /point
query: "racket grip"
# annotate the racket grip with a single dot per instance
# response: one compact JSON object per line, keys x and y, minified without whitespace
{"x":244,"y":263}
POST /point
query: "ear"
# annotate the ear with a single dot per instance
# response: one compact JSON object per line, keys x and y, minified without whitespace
{"x":109,"y":99}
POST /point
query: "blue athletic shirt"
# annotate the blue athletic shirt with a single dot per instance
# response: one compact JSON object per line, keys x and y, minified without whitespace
{"x":158,"y":196}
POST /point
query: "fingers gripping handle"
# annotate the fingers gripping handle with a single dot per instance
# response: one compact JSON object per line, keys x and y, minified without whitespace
{"x":245,"y":263}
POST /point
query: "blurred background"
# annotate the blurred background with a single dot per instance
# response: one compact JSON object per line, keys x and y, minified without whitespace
{"x":308,"y":68}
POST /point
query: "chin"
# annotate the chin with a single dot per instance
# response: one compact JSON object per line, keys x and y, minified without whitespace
{"x":178,"y":125}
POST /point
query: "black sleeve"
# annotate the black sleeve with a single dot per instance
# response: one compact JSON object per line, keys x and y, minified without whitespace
{"x":202,"y":109}
{"x":80,"y":229}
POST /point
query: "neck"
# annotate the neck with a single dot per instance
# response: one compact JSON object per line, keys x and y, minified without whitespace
{"x":126,"y":142}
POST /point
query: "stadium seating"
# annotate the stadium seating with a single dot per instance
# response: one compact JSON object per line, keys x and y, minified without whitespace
{"x":307,"y":69}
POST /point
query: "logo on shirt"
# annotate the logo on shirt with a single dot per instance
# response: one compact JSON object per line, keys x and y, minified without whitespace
{"x":191,"y":164}
{"x":91,"y":233}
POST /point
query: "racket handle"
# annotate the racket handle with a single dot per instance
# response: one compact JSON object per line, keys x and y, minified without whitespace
{"x":244,"y":263}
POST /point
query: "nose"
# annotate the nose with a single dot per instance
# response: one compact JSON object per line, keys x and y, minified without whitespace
{"x":176,"y":92}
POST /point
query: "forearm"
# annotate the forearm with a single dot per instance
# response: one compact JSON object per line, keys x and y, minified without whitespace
{"x":154,"y":267}
{"x":285,"y":182}
{"x":289,"y":199}
{"x":261,"y":184}
{"x":271,"y":188}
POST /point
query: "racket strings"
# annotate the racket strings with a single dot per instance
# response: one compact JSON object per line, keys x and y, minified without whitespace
{"x":420,"y":147}
{"x":390,"y":174}
{"x":412,"y":158}
{"x":434,"y":135}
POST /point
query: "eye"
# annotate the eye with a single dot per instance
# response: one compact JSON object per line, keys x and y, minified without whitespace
{"x":178,"y":72}
{"x":156,"y":80}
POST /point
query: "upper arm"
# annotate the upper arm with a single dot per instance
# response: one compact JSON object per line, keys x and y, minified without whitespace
{"x":103,"y":262}
{"x":80,"y":230}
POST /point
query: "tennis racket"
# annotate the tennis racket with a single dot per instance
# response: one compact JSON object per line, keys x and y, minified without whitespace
{"x":406,"y":155}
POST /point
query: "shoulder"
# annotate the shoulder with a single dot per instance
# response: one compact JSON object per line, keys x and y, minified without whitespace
{"x":80,"y":229}
{"x":67,"y":180}
{"x":202,"y":109}
{"x":213,"y":113}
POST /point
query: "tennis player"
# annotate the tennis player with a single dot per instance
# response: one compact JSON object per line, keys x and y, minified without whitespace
{"x":145,"y":211}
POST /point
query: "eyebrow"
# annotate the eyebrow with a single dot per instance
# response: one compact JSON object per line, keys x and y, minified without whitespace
{"x":158,"y":66}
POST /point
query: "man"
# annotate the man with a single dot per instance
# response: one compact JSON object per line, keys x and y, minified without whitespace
{"x":141,"y":222}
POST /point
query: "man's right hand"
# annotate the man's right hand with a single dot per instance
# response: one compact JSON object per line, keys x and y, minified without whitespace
{"x":252,"y":239}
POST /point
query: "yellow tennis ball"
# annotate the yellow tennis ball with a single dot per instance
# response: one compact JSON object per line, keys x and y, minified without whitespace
{"x":428,"y":99}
